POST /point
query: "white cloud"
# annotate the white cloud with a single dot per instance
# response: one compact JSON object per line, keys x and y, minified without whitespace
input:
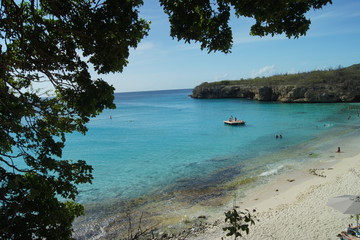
{"x":337,"y":11}
{"x":265,"y":71}
{"x":142,"y":47}
{"x":253,"y":39}
{"x":224,"y":76}
{"x":292,"y":71}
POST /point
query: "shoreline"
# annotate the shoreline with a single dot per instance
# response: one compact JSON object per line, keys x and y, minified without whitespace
{"x":297,"y":209}
{"x":170,"y":216}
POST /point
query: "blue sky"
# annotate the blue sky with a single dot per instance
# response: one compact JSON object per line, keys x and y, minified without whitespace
{"x":161,"y":63}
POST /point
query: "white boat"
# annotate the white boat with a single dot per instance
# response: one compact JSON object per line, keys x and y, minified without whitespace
{"x":234,"y":122}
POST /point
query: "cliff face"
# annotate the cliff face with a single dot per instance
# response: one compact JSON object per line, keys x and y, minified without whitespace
{"x":344,"y":92}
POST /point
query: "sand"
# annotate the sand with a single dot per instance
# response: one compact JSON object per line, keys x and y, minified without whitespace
{"x":293,"y":206}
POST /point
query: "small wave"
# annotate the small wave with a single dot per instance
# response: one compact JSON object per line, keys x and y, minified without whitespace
{"x":91,"y":231}
{"x":270,"y":172}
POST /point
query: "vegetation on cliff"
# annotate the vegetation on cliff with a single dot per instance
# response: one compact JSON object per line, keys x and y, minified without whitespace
{"x":329,"y":76}
{"x":333,"y":85}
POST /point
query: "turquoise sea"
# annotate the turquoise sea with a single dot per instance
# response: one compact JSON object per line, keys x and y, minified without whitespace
{"x":162,"y":141}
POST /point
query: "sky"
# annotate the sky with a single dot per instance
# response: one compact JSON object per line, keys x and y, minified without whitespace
{"x":161,"y":63}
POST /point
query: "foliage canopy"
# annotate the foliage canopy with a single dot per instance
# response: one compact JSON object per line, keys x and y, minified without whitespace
{"x":207,"y":21}
{"x":56,"y":41}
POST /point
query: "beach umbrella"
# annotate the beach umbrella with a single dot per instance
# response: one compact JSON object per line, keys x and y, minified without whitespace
{"x":346,"y":204}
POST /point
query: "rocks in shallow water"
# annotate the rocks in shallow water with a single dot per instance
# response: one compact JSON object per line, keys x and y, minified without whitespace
{"x":196,"y":227}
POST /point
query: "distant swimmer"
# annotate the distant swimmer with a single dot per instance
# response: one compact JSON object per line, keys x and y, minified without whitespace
{"x":338,"y":150}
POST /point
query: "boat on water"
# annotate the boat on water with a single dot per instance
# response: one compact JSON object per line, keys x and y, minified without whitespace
{"x":234,"y":122}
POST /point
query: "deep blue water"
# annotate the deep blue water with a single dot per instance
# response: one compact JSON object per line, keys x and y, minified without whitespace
{"x":158,"y":139}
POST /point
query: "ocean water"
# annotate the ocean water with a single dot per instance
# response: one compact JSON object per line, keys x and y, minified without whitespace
{"x":165,"y":140}
{"x":162,"y":152}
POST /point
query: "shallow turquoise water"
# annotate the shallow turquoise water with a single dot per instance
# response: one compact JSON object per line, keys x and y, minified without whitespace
{"x":160,"y":140}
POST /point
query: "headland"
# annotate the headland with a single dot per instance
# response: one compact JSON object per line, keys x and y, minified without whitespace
{"x":326,"y":86}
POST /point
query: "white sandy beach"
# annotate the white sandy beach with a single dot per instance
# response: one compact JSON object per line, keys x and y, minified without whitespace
{"x":298,"y":210}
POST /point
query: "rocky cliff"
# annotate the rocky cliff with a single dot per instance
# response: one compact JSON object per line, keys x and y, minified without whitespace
{"x":343,"y":89}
